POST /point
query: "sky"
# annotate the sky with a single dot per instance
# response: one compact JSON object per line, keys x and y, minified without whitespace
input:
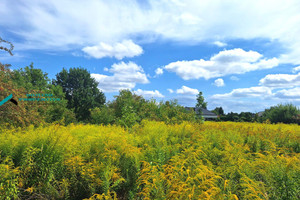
{"x":242,"y":55}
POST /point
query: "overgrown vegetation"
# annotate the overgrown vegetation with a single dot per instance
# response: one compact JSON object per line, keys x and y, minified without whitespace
{"x":152,"y":160}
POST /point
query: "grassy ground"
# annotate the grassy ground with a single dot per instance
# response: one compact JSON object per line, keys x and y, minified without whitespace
{"x":151,"y":161}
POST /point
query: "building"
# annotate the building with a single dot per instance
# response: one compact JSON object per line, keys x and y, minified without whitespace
{"x":206,"y":114}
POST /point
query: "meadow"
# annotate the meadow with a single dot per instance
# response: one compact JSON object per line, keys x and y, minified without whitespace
{"x":151,"y":160}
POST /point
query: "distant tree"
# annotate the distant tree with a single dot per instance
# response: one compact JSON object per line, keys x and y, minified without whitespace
{"x":218,"y":111}
{"x":287,"y":113}
{"x":246,"y":116}
{"x":81,"y":91}
{"x":171,"y":112}
{"x":200,"y":101}
{"x":234,"y":117}
{"x":199,"y":105}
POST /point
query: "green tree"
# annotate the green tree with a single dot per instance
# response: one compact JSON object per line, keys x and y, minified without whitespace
{"x":127,"y":106}
{"x":103,"y":115}
{"x":31,"y":78}
{"x":200,"y":104}
{"x":200,"y":101}
{"x":218,"y":111}
{"x":287,"y":113}
{"x":81,"y":91}
{"x":23,"y":114}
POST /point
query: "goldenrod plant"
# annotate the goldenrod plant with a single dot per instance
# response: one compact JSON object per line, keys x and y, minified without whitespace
{"x":152,"y":160}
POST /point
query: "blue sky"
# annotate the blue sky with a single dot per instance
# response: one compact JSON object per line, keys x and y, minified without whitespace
{"x":243,"y":55}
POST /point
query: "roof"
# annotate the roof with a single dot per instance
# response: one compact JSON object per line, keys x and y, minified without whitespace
{"x":205,"y":113}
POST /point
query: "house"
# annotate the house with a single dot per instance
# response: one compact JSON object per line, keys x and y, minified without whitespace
{"x":206,"y":114}
{"x":260,"y":114}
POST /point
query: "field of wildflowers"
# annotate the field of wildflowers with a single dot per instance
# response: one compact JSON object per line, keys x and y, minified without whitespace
{"x":151,"y":160}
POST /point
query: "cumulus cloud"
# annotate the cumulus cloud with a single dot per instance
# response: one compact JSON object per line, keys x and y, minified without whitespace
{"x":219,"y":82}
{"x":288,"y":94}
{"x":296,"y":69}
{"x":159,"y":71}
{"x":170,"y":90}
{"x":125,"y":76}
{"x":149,"y":93}
{"x":235,"y":61}
{"x":187,"y":91}
{"x":50,"y":25}
{"x":120,"y":50}
{"x":261,"y":92}
{"x":220,"y":44}
{"x":281,"y":80}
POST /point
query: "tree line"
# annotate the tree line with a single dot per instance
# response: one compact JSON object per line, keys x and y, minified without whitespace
{"x":281,"y":113}
{"x":82,"y":101}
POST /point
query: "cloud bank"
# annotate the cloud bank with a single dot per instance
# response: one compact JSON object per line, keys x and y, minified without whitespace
{"x":235,"y":61}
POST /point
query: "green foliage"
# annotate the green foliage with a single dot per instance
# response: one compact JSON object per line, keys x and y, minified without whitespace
{"x":218,"y":111}
{"x":128,"y":109}
{"x":23,"y":114}
{"x":31,"y":78}
{"x":129,"y":116}
{"x":103,"y":115}
{"x":200,"y":101}
{"x":80,"y":90}
{"x":58,"y":111}
{"x":287,"y":113}
{"x":32,"y":81}
{"x":171,"y":112}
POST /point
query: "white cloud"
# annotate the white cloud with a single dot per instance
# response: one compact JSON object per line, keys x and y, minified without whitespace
{"x":288,"y":94}
{"x":220,"y":44}
{"x":149,"y":93}
{"x":50,"y":25}
{"x":235,"y":61}
{"x":159,"y":71}
{"x":187,"y":91}
{"x":280,"y":80}
{"x":296,"y":69}
{"x":219,"y":82}
{"x":250,"y":99}
{"x":120,"y":50}
{"x":262,"y":92}
{"x":125,"y":76}
{"x":170,"y":90}
{"x":234,"y":78}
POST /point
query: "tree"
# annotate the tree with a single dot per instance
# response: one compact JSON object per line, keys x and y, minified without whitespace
{"x":81,"y":91}
{"x":287,"y":113}
{"x":218,"y":111}
{"x":127,"y":106}
{"x":31,"y":78}
{"x":200,"y":104}
{"x":15,"y":115}
{"x":200,"y":101}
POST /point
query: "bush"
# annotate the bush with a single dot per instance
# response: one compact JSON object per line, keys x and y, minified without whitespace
{"x":103,"y":115}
